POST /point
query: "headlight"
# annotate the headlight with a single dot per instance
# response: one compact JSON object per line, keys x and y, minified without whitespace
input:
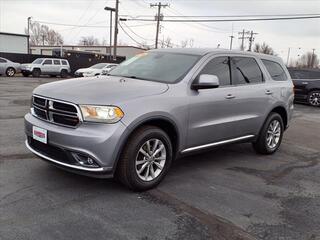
{"x":106,"y":114}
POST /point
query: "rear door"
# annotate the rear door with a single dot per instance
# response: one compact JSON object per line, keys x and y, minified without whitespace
{"x":56,"y":66}
{"x":252,"y":96}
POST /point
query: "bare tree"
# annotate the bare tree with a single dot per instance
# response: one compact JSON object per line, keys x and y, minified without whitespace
{"x":89,"y":41}
{"x":308,"y":60}
{"x":264,"y":48}
{"x":43,"y":35}
{"x":187,"y":43}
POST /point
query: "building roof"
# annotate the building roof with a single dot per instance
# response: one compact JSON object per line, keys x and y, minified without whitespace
{"x":14,"y":34}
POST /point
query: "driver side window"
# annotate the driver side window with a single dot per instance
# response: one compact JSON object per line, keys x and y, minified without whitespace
{"x":219,"y":66}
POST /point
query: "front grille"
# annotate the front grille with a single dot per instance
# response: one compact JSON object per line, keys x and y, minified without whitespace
{"x":55,"y":111}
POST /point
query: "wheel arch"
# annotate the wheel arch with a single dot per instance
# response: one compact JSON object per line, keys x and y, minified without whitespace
{"x":164,"y":123}
{"x":282,"y":112}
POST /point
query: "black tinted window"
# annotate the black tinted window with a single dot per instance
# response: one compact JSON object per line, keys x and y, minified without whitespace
{"x":2,"y":60}
{"x":47,"y":62}
{"x":220,"y":67}
{"x":246,"y":70}
{"x":64,"y":62}
{"x":275,"y":70}
{"x":56,"y":62}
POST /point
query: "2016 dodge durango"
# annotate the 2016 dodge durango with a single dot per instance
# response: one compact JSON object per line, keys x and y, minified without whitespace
{"x":156,"y":107}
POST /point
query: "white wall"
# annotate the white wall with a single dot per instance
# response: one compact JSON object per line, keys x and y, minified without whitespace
{"x":13,"y":44}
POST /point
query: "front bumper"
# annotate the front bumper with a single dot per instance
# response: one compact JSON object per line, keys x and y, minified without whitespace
{"x":100,"y":142}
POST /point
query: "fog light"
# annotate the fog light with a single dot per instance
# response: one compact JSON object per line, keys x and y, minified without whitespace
{"x":85,"y":160}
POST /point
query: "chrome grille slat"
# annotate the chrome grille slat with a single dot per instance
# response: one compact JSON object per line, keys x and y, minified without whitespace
{"x":57,"y":116}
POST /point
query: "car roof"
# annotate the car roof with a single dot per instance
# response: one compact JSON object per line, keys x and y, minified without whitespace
{"x":205,"y":51}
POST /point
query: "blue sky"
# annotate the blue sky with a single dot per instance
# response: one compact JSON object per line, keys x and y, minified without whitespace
{"x":300,"y":35}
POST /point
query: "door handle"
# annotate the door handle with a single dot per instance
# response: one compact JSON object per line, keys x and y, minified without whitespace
{"x":230,"y":96}
{"x":268,"y":92}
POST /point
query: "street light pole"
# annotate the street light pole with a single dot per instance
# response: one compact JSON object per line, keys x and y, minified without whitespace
{"x":28,"y":29}
{"x":110,"y":44}
{"x":116,"y":31}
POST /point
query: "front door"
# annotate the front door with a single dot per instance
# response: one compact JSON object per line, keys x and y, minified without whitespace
{"x":212,"y":111}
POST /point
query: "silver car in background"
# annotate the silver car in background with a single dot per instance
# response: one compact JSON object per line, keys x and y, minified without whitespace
{"x":8,"y":67}
{"x":158,"y":106}
{"x":46,"y":66}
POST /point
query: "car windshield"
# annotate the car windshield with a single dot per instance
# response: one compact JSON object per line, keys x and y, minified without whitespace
{"x":99,"y":66}
{"x":157,"y":66}
{"x":37,"y":61}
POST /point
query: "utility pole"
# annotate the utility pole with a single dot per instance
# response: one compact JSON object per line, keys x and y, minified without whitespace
{"x":242,"y":37}
{"x":116,"y":31}
{"x":312,"y":59}
{"x":251,"y":40}
{"x":231,"y":39}
{"x":158,"y":19}
{"x":42,"y":39}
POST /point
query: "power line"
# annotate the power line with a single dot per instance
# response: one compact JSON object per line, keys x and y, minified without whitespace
{"x":136,"y":33}
{"x":230,"y":16}
{"x":227,"y":20}
{"x":137,"y":42}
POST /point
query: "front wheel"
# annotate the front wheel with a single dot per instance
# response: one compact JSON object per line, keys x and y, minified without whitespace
{"x":314,"y":98}
{"x":10,"y":72}
{"x":36,"y":72}
{"x":270,"y":136}
{"x":146,"y":159}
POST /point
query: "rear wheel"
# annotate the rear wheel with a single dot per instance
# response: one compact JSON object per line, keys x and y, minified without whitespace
{"x":314,"y":98}
{"x":270,"y":136}
{"x":64,"y":73}
{"x":145,"y":159}
{"x":36,"y":72}
{"x":10,"y":72}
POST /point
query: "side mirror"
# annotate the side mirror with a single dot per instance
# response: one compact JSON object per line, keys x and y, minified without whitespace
{"x":206,"y":81}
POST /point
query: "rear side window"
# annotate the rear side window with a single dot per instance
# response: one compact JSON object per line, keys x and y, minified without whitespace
{"x":2,"y":60}
{"x":56,"y":62}
{"x":246,"y":71}
{"x":47,"y":62}
{"x":64,"y":62}
{"x":220,"y":67}
{"x":275,"y":70}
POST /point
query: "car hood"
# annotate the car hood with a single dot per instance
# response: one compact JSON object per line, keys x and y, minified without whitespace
{"x":106,"y":90}
{"x":83,"y":70}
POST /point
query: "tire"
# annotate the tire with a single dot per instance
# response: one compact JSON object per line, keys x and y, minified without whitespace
{"x":314,"y":98}
{"x":25,"y":74}
{"x":10,"y":72}
{"x":269,"y":140}
{"x":132,"y":160}
{"x":36,"y":72}
{"x":64,"y":73}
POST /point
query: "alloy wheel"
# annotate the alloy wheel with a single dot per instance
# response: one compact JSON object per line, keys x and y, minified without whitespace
{"x":150,"y":160}
{"x":10,"y":72}
{"x":273,"y":134}
{"x":314,"y":99}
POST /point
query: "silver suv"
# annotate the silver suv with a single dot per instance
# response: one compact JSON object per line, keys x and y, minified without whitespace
{"x":46,"y":66}
{"x":158,"y":106}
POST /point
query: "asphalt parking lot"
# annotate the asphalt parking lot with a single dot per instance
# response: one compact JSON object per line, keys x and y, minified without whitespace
{"x":228,"y":193}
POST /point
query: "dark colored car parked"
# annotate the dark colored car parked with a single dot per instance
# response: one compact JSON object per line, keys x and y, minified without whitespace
{"x":307,"y":85}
